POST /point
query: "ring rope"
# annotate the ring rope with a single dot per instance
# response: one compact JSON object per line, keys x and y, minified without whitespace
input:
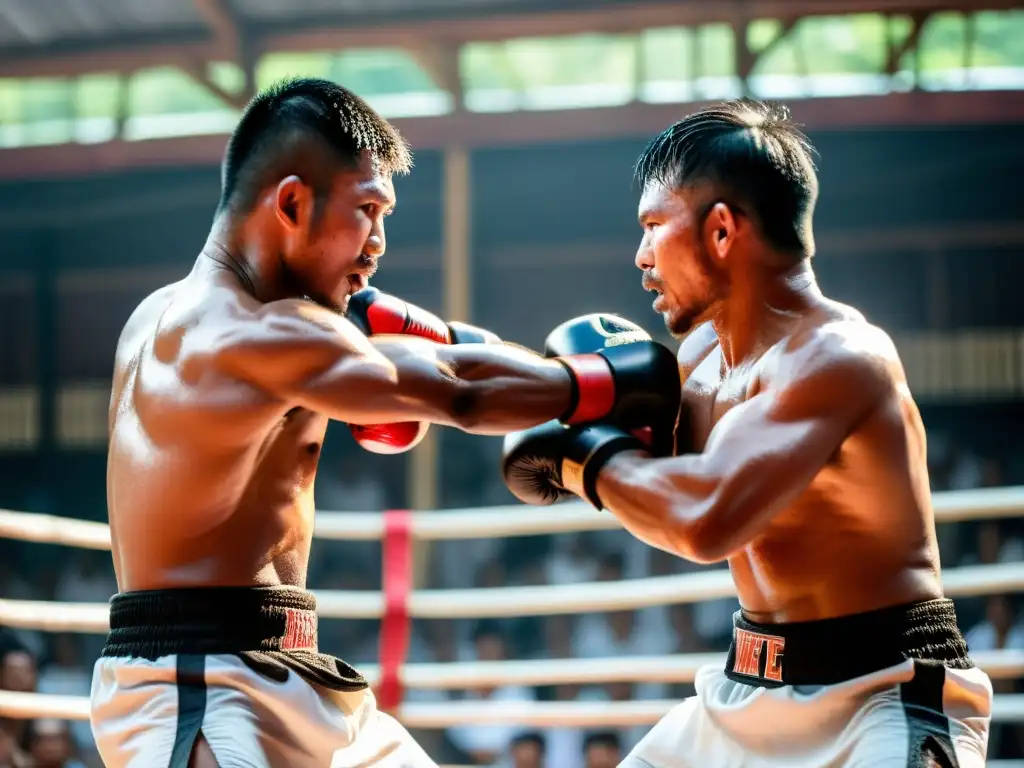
{"x":677,"y":668}
{"x":495,"y":522}
{"x":614,"y":714}
{"x":498,"y":602}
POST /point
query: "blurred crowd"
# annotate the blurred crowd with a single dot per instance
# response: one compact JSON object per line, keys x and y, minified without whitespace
{"x":61,"y":664}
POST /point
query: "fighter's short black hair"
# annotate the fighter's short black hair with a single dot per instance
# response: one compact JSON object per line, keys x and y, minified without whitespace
{"x":753,"y":156}
{"x":321,"y":113}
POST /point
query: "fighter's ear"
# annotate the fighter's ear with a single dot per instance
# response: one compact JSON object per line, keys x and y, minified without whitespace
{"x":294,"y":203}
{"x":720,"y":231}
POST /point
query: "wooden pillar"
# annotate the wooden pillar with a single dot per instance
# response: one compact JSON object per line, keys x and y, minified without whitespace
{"x":424,"y":463}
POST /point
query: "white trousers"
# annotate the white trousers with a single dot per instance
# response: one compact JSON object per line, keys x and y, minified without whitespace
{"x":912,"y":715}
{"x":147,"y":714}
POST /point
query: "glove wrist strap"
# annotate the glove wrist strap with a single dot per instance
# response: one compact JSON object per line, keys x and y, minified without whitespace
{"x":593,"y":448}
{"x":594,"y":388}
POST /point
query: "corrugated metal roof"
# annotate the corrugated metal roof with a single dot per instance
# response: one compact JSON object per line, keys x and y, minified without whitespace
{"x":30,"y":25}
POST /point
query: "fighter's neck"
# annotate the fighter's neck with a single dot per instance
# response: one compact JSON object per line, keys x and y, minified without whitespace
{"x":761,"y":309}
{"x":252,"y":262}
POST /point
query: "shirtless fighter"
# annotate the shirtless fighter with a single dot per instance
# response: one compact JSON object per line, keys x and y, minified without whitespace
{"x":800,"y":461}
{"x":222,"y":389}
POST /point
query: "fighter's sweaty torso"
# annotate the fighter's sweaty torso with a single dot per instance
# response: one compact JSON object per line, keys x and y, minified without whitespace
{"x":862,"y":535}
{"x":209,"y":481}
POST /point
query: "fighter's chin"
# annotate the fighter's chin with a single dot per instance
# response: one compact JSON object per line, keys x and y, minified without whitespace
{"x":338,"y":304}
{"x":678,"y":324}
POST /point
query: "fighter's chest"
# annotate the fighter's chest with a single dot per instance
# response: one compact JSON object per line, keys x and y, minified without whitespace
{"x":709,"y":393}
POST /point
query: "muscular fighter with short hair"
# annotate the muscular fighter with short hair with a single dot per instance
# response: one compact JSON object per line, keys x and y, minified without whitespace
{"x":800,"y":461}
{"x":222,"y":389}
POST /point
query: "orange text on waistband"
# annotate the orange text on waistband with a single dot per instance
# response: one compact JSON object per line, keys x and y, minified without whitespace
{"x":300,"y":630}
{"x":750,"y":646}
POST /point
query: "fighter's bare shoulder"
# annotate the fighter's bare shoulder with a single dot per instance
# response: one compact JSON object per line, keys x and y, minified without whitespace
{"x":273,"y":346}
{"x":840,"y":359}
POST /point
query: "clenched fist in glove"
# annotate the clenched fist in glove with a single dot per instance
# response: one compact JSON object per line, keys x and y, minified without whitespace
{"x":376,"y":313}
{"x":550,"y":462}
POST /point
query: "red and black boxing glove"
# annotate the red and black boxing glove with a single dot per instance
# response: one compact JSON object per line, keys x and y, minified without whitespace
{"x":376,"y":313}
{"x":621,"y":377}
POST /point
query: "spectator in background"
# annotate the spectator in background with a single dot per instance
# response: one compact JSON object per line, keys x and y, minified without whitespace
{"x":623,"y":692}
{"x":558,"y":636}
{"x":49,"y":745}
{"x":17,"y":673}
{"x":10,"y":755}
{"x":602,"y":750}
{"x":88,"y":578}
{"x":66,"y":675}
{"x":998,"y":631}
{"x":619,"y":634}
{"x":527,"y":751}
{"x":571,"y":561}
{"x":564,"y":744}
{"x":994,"y":546}
{"x":484,"y":744}
{"x":14,"y":586}
{"x":686,"y":641}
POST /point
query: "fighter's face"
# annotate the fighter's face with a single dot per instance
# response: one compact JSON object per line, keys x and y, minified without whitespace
{"x":333,"y":248}
{"x":674,"y":257}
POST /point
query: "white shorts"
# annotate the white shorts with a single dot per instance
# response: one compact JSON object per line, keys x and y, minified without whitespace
{"x":147,"y":714}
{"x":912,"y":715}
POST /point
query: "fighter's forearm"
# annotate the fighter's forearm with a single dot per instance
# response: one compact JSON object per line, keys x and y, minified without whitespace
{"x":671,"y":508}
{"x":479,"y":388}
{"x":506,"y":388}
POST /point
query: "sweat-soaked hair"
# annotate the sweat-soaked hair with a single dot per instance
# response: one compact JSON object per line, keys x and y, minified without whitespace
{"x":751,"y":156}
{"x":309,"y":127}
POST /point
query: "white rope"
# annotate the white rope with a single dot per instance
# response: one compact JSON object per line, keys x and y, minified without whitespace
{"x":1007,"y":708}
{"x":593,"y":597}
{"x":678,"y":668}
{"x":479,"y":523}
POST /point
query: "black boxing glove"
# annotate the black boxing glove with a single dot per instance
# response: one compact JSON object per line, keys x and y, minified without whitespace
{"x":621,"y":376}
{"x":548,"y":463}
{"x":376,"y":313}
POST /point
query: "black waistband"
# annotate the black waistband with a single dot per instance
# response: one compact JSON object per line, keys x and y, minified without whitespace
{"x":271,"y":628}
{"x":832,"y":651}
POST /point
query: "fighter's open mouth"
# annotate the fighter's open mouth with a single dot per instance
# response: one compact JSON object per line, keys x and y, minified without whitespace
{"x":357,"y":282}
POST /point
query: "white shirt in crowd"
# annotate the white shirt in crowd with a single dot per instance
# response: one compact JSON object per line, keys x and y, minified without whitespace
{"x":490,"y":738}
{"x":70,"y":681}
{"x":983,"y":637}
{"x":651,"y":636}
